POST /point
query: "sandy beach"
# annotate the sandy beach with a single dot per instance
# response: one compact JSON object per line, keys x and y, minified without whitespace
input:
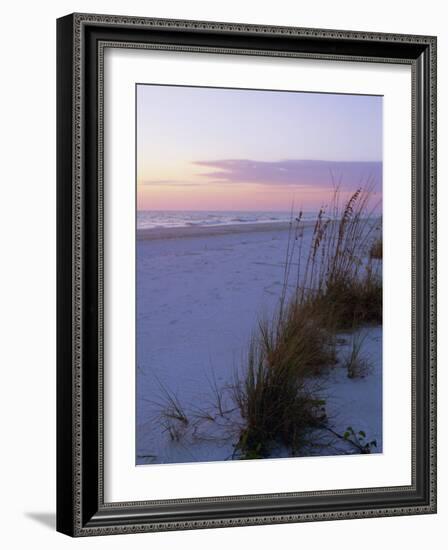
{"x":154,"y":234}
{"x":200,"y":294}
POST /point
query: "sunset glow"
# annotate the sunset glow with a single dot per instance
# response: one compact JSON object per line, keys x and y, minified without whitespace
{"x":227,"y":149}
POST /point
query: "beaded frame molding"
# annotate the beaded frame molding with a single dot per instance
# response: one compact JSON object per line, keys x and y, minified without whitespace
{"x":81,"y":40}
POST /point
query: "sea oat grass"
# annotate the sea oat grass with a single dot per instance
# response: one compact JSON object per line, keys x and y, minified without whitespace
{"x":274,"y":404}
{"x":376,"y":250}
{"x":273,"y":395}
{"x":336,"y":288}
{"x":356,"y":363}
{"x":349,"y":303}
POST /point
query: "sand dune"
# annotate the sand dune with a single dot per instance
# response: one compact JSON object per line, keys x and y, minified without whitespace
{"x":200,"y":294}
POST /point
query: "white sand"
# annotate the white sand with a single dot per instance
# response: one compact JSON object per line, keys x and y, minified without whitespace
{"x":200,"y":293}
{"x":201,"y":231}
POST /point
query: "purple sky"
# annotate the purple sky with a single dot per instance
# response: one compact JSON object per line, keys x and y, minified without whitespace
{"x":214,"y":148}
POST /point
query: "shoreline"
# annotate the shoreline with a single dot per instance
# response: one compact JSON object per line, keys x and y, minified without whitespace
{"x":160,"y":233}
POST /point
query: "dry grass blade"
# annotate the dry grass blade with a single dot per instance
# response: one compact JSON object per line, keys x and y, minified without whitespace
{"x":337,"y":289}
{"x":172,"y":414}
{"x":356,"y":364}
{"x":376,"y":250}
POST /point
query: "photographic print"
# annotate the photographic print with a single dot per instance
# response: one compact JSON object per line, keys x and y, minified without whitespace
{"x":258,"y":274}
{"x":246,"y":254}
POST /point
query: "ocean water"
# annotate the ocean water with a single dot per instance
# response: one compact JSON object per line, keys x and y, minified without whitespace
{"x":147,"y":219}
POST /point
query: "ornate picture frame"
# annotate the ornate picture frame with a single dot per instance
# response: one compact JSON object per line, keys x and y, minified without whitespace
{"x":81,"y":506}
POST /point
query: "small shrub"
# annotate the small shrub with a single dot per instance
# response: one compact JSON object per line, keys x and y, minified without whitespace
{"x":359,"y":440}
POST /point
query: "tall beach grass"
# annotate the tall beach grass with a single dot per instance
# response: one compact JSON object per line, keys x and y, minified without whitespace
{"x":334,"y":284}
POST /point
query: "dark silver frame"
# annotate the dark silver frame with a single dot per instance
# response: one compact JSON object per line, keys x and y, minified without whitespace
{"x":81,"y":39}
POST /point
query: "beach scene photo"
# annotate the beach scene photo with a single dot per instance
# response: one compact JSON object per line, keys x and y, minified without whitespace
{"x":258,"y":274}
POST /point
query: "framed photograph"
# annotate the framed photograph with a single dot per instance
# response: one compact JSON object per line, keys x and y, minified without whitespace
{"x":246,"y":274}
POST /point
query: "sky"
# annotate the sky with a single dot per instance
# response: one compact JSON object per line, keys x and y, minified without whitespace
{"x":228,"y":149}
